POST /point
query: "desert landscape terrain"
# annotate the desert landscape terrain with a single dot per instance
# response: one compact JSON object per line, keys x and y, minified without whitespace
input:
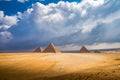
{"x":59,"y":39}
{"x":63,"y":66}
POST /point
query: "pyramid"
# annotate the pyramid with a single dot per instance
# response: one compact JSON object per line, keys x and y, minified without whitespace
{"x":84,"y":50}
{"x":51,"y":49}
{"x":39,"y":49}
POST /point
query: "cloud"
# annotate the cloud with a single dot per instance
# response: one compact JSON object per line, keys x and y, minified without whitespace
{"x":22,"y":1}
{"x":5,"y":23}
{"x":67,"y":23}
{"x":112,"y":17}
{"x":104,"y":46}
{"x":94,"y":46}
{"x":5,"y":0}
{"x":5,"y":37}
{"x":94,"y":3}
{"x":59,"y":16}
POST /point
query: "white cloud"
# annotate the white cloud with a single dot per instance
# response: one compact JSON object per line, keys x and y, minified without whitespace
{"x":112,"y":17}
{"x":5,"y":0}
{"x":54,"y":17}
{"x":89,"y":25}
{"x":5,"y":37}
{"x":83,"y":12}
{"x":10,"y":20}
{"x":67,"y":17}
{"x":22,"y":1}
{"x":87,"y":22}
{"x":71,"y":47}
{"x":5,"y":23}
{"x":94,"y":3}
{"x":104,"y":45}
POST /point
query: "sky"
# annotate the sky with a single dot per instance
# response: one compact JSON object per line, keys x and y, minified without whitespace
{"x":69,"y":24}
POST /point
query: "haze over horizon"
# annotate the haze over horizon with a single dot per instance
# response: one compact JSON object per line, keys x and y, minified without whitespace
{"x":69,"y":24}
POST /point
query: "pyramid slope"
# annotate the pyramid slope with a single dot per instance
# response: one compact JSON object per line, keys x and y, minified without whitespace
{"x":84,"y":50}
{"x":51,"y":49}
{"x":39,"y":49}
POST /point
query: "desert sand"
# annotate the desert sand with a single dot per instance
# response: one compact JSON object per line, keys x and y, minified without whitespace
{"x":64,"y":66}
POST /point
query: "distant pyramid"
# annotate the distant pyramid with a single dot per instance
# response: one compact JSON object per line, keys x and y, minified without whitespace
{"x":51,"y":49}
{"x":84,"y":50}
{"x":39,"y":49}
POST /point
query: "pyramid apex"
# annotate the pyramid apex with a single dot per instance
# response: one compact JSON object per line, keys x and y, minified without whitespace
{"x":83,"y":46}
{"x":51,"y":44}
{"x":39,"y":49}
{"x":84,"y":50}
{"x":51,"y":48}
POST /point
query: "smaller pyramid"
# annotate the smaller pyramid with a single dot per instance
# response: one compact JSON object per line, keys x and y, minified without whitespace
{"x":39,"y":49}
{"x":84,"y":50}
{"x":51,"y":49}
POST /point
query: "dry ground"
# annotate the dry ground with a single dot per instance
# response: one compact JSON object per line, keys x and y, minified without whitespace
{"x":65,"y":66}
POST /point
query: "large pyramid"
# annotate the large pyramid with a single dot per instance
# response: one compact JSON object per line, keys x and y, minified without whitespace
{"x":51,"y":49}
{"x":84,"y":50}
{"x":39,"y":49}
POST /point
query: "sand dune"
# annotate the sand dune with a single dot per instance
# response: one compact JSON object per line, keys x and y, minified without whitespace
{"x":70,"y":66}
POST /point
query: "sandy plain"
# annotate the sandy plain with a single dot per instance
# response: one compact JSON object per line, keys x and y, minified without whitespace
{"x":62,"y":66}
